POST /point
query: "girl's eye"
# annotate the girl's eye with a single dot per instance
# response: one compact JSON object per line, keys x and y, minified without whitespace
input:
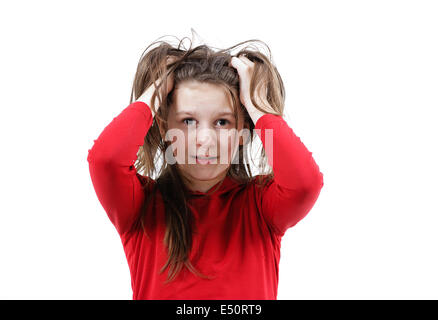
{"x":225,"y":121}
{"x":188,"y":119}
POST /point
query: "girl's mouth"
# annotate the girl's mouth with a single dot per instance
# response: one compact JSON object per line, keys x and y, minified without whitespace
{"x":204,"y":160}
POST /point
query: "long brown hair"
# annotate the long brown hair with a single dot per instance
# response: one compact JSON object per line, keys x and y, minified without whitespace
{"x":203,"y":64}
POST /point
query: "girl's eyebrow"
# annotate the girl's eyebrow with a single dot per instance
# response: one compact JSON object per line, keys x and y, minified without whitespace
{"x":183,"y":112}
{"x":224,"y":113}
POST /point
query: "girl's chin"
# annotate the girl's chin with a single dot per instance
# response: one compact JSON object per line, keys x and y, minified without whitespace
{"x":207,"y":172}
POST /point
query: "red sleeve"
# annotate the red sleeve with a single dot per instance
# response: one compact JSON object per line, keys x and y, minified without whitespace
{"x":297,"y":182}
{"x":111,"y":161}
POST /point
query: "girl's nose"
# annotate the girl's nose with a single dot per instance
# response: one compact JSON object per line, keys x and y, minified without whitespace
{"x":205,"y":139}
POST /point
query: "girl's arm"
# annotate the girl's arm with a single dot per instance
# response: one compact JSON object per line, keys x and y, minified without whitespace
{"x":297,"y":180}
{"x":111,"y":162}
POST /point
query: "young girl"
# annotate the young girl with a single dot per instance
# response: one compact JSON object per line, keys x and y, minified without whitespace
{"x":205,"y":216}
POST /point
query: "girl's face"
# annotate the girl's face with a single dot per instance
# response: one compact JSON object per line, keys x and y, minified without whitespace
{"x":203,"y":131}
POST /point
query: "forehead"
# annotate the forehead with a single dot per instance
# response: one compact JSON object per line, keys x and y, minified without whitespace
{"x":205,"y":98}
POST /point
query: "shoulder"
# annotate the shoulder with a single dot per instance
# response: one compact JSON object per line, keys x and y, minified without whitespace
{"x":255,"y":185}
{"x":145,"y":181}
{"x":262,"y":180}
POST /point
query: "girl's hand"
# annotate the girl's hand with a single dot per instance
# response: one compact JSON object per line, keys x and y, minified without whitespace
{"x":147,"y":94}
{"x":245,"y":69}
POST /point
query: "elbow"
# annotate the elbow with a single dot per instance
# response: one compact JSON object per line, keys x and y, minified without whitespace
{"x":320,"y":180}
{"x":314,"y":188}
{"x":98,"y":154}
{"x":94,"y":157}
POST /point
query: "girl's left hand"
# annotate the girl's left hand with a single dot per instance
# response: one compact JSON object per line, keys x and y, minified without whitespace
{"x":245,"y":69}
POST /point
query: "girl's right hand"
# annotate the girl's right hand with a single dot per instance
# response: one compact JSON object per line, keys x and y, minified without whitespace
{"x":146,"y":97}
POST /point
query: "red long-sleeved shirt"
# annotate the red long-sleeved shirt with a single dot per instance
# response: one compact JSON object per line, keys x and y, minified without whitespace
{"x":239,"y":226}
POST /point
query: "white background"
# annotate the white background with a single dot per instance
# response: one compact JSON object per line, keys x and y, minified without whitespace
{"x":361,"y":83}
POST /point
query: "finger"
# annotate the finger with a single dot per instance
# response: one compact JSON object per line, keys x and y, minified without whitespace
{"x":170,"y":60}
{"x":237,"y":63}
{"x":248,"y":62}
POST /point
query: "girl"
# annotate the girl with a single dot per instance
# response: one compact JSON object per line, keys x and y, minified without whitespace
{"x":202,"y":214}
